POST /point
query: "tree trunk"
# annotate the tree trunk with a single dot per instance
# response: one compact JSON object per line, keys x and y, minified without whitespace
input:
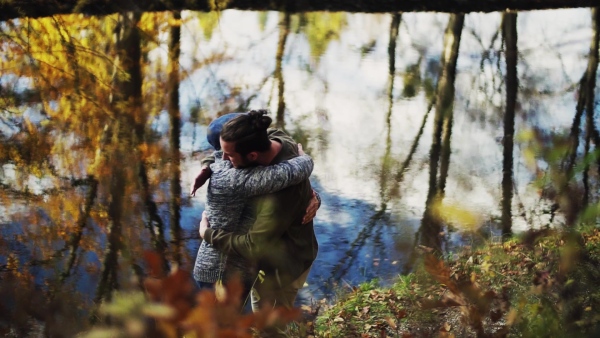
{"x":446,"y":94}
{"x":175,"y":132}
{"x":82,"y":221}
{"x":413,"y":148}
{"x":108,"y":276}
{"x":509,"y":32}
{"x":589,"y":100}
{"x":155,"y":224}
{"x":585,"y":102}
{"x":431,"y":226}
{"x":127,"y":97}
{"x":31,"y":8}
{"x":385,"y":166}
{"x":284,"y":31}
{"x":578,"y":256}
{"x":575,"y":127}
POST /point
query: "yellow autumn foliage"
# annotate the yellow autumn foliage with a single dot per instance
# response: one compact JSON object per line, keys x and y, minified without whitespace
{"x":457,"y":216}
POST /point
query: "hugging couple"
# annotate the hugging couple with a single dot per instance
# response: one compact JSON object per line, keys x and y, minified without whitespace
{"x":259,"y":210}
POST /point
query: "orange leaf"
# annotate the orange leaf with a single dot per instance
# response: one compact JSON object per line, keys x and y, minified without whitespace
{"x":154,"y":264}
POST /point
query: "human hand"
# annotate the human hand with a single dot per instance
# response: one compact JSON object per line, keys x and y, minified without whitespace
{"x":300,"y":150}
{"x":311,"y":210}
{"x":203,"y":225}
{"x":202,"y":177}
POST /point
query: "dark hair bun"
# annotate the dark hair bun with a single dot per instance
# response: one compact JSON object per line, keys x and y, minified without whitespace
{"x":259,"y":119}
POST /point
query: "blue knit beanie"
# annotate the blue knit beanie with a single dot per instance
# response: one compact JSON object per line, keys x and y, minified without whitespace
{"x":213,"y":132}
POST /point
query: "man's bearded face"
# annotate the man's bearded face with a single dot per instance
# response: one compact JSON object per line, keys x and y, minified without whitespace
{"x":229,"y":154}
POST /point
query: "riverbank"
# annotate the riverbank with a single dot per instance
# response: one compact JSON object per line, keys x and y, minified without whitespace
{"x":539,"y":284}
{"x":536,"y":285}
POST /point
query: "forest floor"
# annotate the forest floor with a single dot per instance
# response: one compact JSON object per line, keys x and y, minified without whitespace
{"x":539,"y":284}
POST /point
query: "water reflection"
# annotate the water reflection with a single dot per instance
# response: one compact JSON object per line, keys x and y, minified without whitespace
{"x":97,"y":160}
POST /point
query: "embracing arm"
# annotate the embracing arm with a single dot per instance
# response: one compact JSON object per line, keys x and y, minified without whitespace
{"x":205,"y":172}
{"x":262,"y":237}
{"x":264,"y":180}
{"x":313,"y":206}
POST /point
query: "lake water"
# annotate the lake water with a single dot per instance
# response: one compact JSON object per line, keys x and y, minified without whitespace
{"x":336,"y":81}
{"x":339,"y":100}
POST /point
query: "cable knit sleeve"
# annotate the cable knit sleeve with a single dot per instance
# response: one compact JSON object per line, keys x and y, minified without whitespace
{"x":263,"y":180}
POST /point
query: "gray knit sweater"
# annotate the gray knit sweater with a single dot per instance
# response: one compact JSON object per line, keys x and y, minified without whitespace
{"x":226,"y":203}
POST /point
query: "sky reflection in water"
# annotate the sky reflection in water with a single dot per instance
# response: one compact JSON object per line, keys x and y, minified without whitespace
{"x":341,"y":103}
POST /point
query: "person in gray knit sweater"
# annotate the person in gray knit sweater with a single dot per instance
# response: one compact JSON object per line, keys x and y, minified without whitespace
{"x":226,"y":202}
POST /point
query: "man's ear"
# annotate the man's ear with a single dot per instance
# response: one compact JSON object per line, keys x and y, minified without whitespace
{"x":252,"y":156}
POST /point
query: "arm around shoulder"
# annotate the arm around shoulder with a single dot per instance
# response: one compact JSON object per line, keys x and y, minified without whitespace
{"x":268,"y":179}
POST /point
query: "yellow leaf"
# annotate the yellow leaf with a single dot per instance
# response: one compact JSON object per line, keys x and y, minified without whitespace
{"x":103,"y":333}
{"x":220,"y":291}
{"x":174,"y":22}
{"x":530,"y":158}
{"x":511,"y":317}
{"x":158,"y":311}
{"x":526,"y":135}
{"x":485,"y":266}
{"x":457,"y":216}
